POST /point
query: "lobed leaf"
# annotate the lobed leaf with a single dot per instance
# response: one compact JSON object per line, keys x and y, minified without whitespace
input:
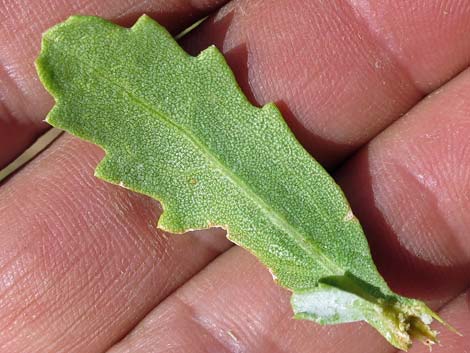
{"x":179,"y":129}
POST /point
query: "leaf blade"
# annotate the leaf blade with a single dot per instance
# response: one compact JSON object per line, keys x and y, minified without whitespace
{"x":179,"y":129}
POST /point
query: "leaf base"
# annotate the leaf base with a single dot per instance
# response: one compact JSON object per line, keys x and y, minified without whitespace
{"x":400,"y":320}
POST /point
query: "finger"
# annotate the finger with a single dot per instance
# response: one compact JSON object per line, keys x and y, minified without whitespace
{"x":80,"y":260}
{"x":340,"y":71}
{"x":23,"y":101}
{"x":410,"y":190}
{"x":230,"y":308}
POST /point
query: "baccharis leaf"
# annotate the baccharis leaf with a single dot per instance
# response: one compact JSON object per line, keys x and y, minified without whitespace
{"x":178,"y":128}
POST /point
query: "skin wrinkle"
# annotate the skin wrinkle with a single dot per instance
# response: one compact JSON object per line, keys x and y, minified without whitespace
{"x":386,"y":59}
{"x":201,"y":327}
{"x":125,"y":289}
{"x":443,"y":177}
{"x":8,"y":266}
{"x":179,"y":302}
{"x":131,"y":9}
{"x":11,"y":113}
{"x":15,"y":48}
{"x":363,"y":10}
{"x":38,"y":296}
{"x":383,"y":44}
{"x":22,"y":258}
{"x":463,"y":150}
{"x":120,"y":205}
{"x":257,"y":320}
{"x":99,"y":300}
{"x":20,"y":321}
{"x":441,"y":211}
{"x":8,"y":85}
{"x":22,"y":276}
{"x":209,"y":326}
{"x":398,"y":38}
{"x":432,"y":251}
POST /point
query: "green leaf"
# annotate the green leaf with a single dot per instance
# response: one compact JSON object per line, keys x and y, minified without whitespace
{"x":179,"y":129}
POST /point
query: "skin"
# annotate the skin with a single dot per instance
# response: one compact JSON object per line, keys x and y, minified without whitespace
{"x":83,"y":267}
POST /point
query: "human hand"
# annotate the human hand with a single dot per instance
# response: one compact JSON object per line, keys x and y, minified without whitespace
{"x":82,"y":265}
